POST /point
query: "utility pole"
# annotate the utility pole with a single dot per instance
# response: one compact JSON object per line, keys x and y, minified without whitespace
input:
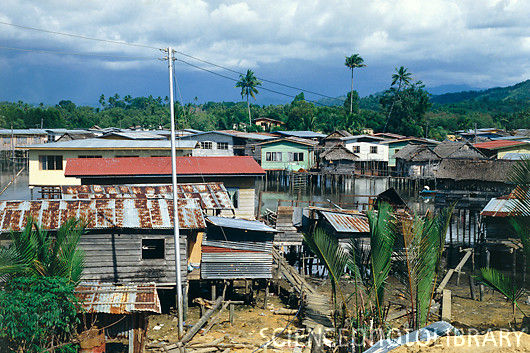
{"x":176,"y":233}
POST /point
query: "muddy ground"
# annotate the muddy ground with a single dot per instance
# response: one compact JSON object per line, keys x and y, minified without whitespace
{"x":255,"y":325}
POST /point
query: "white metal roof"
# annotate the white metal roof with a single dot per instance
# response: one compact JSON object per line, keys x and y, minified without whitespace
{"x":101,"y":144}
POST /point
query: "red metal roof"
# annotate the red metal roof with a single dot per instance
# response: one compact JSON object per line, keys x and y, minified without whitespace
{"x":226,"y":165}
{"x":498,"y":144}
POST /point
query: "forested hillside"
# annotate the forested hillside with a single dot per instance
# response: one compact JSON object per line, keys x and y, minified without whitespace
{"x":409,"y":110}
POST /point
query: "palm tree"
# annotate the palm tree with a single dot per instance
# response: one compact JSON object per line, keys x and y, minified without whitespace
{"x":352,"y":62}
{"x":34,"y":252}
{"x":248,"y":84}
{"x":403,"y":78}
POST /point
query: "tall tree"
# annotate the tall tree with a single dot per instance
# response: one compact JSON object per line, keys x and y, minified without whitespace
{"x":248,"y":84}
{"x":353,"y":62}
{"x":403,"y":78}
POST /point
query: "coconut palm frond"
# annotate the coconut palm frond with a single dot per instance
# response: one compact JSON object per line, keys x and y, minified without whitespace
{"x":430,"y":250}
{"x":382,"y":237}
{"x":419,"y":261}
{"x":520,"y":176}
{"x":330,"y":253}
{"x":34,"y":252}
{"x":502,"y":284}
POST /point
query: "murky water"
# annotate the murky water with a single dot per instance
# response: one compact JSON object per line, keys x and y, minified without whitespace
{"x":18,"y":189}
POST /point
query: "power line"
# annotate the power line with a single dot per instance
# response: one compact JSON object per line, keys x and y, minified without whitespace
{"x":179,"y":52}
{"x":235,"y":80}
{"x":45,"y":51}
{"x":260,"y":78}
{"x":79,"y":36}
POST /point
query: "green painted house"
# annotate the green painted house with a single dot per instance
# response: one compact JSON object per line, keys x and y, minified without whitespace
{"x":395,"y":145}
{"x":287,"y":154}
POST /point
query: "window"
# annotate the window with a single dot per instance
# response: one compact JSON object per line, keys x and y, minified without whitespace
{"x":234,"y":196}
{"x":222,"y":145}
{"x":205,"y":145}
{"x":89,"y":157}
{"x":124,"y":156}
{"x":273,"y":156}
{"x":153,"y":249}
{"x":356,"y":149}
{"x":296,"y":156}
{"x":373,"y":149}
{"x":51,"y":162}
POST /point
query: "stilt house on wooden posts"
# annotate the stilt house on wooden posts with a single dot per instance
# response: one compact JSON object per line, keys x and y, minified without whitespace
{"x":496,"y":217}
{"x":121,"y":310}
{"x":236,"y":249}
{"x":338,"y":159}
{"x":474,"y":175}
{"x":343,"y":224}
{"x":416,"y":161}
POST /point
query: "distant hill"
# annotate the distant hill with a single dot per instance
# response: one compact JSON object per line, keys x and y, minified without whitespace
{"x":499,"y":99}
{"x":517,"y":92}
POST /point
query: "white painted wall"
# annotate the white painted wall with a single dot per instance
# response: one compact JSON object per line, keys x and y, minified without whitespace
{"x":364,"y":152}
{"x":214,"y":139}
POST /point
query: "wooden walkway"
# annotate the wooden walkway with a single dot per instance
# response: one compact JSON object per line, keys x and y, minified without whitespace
{"x":316,"y":306}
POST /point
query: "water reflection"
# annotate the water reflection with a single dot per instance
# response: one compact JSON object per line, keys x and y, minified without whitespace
{"x":19,"y":189}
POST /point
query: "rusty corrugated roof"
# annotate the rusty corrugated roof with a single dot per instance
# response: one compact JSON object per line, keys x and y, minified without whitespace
{"x":101,"y":214}
{"x":347,"y":223}
{"x":209,"y":195}
{"x":112,"y":299}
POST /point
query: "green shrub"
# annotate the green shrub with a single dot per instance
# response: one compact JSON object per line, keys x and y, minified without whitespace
{"x":37,"y":313}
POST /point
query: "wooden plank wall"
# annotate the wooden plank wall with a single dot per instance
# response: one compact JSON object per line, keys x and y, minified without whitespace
{"x":117,"y":257}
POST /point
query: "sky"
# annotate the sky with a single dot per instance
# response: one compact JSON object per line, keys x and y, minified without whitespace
{"x":448,"y":45}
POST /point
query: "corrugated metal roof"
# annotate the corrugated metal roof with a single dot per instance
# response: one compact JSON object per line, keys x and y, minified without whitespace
{"x":111,"y":299}
{"x":513,"y":156}
{"x":301,"y":134}
{"x":240,"y":224}
{"x":138,"y":166}
{"x":209,"y":195}
{"x":347,"y":223}
{"x":232,"y":259}
{"x":501,"y":207}
{"x":23,"y":132}
{"x":134,"y":135}
{"x":499,"y":144}
{"x":102,"y":214}
{"x":102,"y":144}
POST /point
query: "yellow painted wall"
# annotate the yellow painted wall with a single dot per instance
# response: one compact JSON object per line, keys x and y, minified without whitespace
{"x":514,"y":149}
{"x":39,"y":177}
{"x":195,"y":249}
